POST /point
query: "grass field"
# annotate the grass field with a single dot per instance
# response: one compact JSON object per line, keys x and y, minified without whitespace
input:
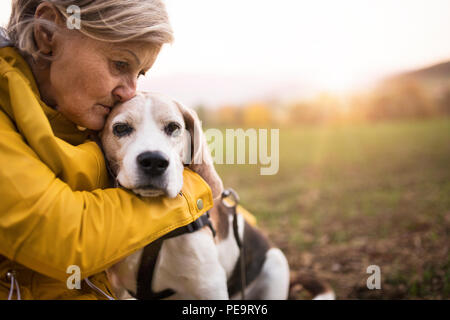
{"x":347,"y":197}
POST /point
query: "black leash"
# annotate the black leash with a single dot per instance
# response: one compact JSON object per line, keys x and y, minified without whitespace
{"x":226,"y":194}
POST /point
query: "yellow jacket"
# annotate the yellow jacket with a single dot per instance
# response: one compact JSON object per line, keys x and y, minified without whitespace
{"x":55,"y":206}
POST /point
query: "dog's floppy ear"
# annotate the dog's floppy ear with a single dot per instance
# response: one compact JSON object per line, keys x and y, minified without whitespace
{"x":199,"y":158}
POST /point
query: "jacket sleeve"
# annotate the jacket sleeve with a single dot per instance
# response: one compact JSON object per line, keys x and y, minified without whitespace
{"x":46,"y":226}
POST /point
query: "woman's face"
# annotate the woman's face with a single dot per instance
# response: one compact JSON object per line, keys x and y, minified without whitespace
{"x":88,"y":77}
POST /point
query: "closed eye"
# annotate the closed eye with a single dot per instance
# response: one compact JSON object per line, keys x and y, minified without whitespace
{"x":121,"y":66}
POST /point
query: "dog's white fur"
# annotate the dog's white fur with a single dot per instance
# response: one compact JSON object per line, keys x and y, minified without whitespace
{"x":194,"y":265}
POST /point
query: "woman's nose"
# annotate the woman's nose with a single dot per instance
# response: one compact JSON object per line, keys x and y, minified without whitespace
{"x":125,"y":91}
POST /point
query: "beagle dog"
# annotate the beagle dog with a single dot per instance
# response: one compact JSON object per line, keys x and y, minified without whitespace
{"x":147,"y":142}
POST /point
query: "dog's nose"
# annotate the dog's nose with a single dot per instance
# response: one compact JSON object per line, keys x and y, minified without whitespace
{"x":153,"y":162}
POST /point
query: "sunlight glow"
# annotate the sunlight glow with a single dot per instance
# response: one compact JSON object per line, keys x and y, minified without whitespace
{"x":332,"y":45}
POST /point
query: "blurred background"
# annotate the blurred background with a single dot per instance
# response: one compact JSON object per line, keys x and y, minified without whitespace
{"x":360,"y":91}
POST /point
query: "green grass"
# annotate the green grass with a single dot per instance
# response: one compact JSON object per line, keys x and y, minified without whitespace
{"x":376,"y":184}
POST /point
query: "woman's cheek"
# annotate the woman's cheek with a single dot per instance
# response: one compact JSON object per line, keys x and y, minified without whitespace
{"x":64,"y":83}
{"x":98,"y":86}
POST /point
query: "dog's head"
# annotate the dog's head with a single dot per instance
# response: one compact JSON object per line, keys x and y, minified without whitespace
{"x":149,"y":139}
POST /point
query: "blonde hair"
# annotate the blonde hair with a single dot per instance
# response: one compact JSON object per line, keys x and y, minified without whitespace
{"x":104,"y":20}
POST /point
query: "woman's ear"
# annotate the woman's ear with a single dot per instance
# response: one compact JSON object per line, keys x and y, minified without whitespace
{"x":201,"y":161}
{"x":47,"y":19}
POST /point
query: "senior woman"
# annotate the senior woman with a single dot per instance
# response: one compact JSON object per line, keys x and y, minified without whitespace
{"x":56,"y":209}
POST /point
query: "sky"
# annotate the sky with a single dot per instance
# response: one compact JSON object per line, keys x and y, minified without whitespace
{"x":229,"y":51}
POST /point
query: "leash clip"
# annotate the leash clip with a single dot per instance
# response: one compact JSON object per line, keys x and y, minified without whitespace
{"x":232,"y":195}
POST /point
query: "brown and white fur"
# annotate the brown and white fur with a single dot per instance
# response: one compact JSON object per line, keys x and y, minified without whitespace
{"x":194,"y":265}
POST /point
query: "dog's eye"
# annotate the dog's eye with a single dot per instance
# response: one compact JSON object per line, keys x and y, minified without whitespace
{"x":122,"y":129}
{"x":173,"y":129}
